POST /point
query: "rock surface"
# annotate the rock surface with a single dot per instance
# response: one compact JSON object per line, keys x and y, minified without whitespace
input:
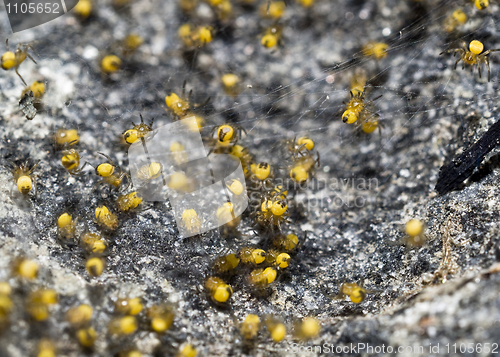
{"x":444,"y":292}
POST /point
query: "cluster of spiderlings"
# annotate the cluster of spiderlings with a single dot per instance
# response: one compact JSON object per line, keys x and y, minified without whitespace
{"x":37,"y":302}
{"x":260,"y":268}
{"x":129,"y":317}
{"x":363,"y":113}
{"x":79,"y":317}
{"x":105,"y":215}
{"x":472,"y":54}
{"x":271,"y":11}
{"x":250,"y":267}
{"x":73,"y":227}
{"x":125,"y":323}
{"x":304,"y":329}
{"x":256,"y":268}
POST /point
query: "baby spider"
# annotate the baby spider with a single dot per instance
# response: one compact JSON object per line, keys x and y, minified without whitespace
{"x":93,"y":243}
{"x":222,"y":8}
{"x":46,"y":348}
{"x":218,"y":290}
{"x":472,"y":56}
{"x":225,"y":215}
{"x":231,"y":83}
{"x":377,"y":50}
{"x":272,"y":212}
{"x":123,"y":326}
{"x":272,"y":37}
{"x":307,"y":328}
{"x":303,"y":167}
{"x":161,"y":317}
{"x":250,"y":326}
{"x":138,"y":132}
{"x":277,"y":259}
{"x":95,"y":266}
{"x":183,"y":109}
{"x":252,"y":256}
{"x":71,"y":161}
{"x":83,"y":9}
{"x":261,"y":278}
{"x":129,"y":201}
{"x":301,"y":144}
{"x":287,"y":243}
{"x":110,"y":64}
{"x":356,"y":292}
{"x":187,"y":350}
{"x":14,"y":59}
{"x":226,"y":135}
{"x":195,"y":37}
{"x":23,"y":178}
{"x":63,"y":138}
{"x":481,"y":4}
{"x":272,"y":9}
{"x":260,"y":171}
{"x":191,"y":221}
{"x":105,"y":218}
{"x":66,"y":226}
{"x":226,"y":263}
{"x":276,"y":328}
{"x":358,"y":108}
{"x":415,"y":233}
{"x":147,"y":173}
{"x":456,"y":19}
{"x":246,"y":158}
{"x":107,"y":171}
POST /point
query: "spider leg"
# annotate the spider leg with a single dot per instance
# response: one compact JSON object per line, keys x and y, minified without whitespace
{"x":484,"y":54}
{"x":371,"y":101}
{"x":479,"y":70}
{"x":455,"y":50}
{"x":34,"y":167}
{"x":458,"y":60}
{"x":133,"y":126}
{"x":107,"y":157}
{"x":98,"y":184}
{"x":31,"y":58}
{"x":78,"y":172}
{"x":128,"y":181}
{"x":85,"y":164}
{"x":487,"y":61}
{"x":183,"y":89}
{"x":20,"y":77}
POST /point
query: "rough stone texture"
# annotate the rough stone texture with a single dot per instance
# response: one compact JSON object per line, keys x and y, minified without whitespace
{"x":429,"y":113}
